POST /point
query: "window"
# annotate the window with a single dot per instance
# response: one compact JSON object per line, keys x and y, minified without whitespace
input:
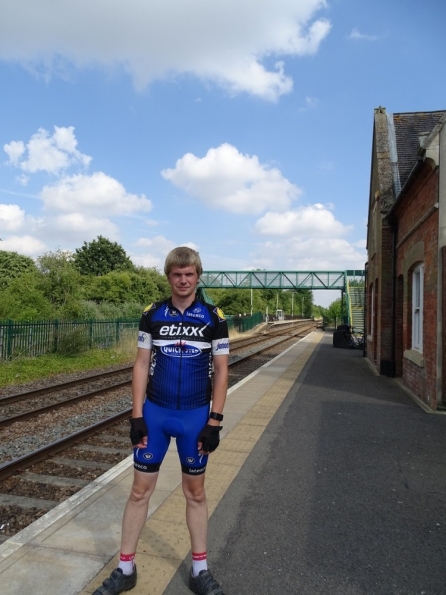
{"x":417,"y":308}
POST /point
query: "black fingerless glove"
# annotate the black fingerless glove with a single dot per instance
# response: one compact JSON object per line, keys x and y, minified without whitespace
{"x":138,"y":429}
{"x":209,"y":438}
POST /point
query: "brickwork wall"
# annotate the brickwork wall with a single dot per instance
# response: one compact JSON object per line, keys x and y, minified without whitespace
{"x":443,"y":323}
{"x":418,"y":243}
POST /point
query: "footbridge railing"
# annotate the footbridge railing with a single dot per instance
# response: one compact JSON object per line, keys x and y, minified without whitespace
{"x":278,"y":279}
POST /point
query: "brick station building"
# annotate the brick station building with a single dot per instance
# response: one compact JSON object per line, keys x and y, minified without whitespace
{"x":406,"y":246}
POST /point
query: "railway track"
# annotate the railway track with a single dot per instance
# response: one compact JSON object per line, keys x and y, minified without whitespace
{"x":28,"y":404}
{"x":33,"y":483}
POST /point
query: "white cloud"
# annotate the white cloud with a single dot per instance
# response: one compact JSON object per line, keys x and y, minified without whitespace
{"x":223,"y":42}
{"x":309,"y":221}
{"x":310,"y":104}
{"x":52,"y":154}
{"x":12,"y":217}
{"x":227,"y":180}
{"x":308,"y":254}
{"x":153,"y":251}
{"x":80,"y":227}
{"x":356,"y":34}
{"x":98,"y":193}
{"x":26,"y":245}
{"x":14,"y":150}
{"x":77,"y":207}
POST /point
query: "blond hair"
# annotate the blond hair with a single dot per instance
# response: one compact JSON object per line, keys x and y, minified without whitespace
{"x":183,"y":257}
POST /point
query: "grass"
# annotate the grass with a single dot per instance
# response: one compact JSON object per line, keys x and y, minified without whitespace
{"x":27,"y":369}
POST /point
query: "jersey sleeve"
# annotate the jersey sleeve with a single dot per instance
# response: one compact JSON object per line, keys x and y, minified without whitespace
{"x":145,"y":340}
{"x":220,"y":339}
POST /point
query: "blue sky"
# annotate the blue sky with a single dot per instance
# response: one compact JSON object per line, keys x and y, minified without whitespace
{"x":242,"y":129}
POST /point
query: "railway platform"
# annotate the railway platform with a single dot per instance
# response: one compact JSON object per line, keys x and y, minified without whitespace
{"x":328,"y":480}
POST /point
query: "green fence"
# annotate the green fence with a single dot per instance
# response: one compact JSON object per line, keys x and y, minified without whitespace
{"x":244,"y":323}
{"x":30,"y":339}
{"x":37,"y":338}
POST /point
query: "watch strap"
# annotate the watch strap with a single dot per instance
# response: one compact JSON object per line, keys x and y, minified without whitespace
{"x":217,"y":416}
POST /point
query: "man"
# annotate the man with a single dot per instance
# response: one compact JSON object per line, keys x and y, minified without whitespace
{"x":180,"y":342}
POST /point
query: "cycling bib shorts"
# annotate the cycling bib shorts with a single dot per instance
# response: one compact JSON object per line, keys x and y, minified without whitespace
{"x":182,"y":424}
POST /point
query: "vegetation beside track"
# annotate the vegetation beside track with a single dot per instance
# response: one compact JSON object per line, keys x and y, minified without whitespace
{"x":27,"y":369}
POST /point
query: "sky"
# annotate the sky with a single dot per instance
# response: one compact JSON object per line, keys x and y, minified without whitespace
{"x":241,"y":129}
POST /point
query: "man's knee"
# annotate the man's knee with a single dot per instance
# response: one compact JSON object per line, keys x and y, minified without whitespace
{"x":143,"y":486}
{"x":194,"y":490}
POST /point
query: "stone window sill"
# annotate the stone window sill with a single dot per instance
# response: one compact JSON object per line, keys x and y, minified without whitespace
{"x":415,"y":357}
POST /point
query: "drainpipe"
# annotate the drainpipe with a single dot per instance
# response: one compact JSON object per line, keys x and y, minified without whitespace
{"x":394,"y":228}
{"x":364,"y":338}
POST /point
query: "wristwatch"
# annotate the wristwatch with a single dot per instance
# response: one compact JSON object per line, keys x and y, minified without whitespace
{"x":217,"y":416}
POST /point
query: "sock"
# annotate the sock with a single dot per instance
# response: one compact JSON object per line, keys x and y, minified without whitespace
{"x":126,"y":563}
{"x":199,"y":562}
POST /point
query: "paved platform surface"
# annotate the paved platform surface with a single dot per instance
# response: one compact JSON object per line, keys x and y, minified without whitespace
{"x":344,"y":493}
{"x":329,"y":480}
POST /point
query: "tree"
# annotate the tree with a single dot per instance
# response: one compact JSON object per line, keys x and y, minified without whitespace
{"x":13,"y":265}
{"x":232,"y":301}
{"x":117,"y":287}
{"x":334,"y":314}
{"x":101,"y":256}
{"x":23,"y":300}
{"x":60,"y":281}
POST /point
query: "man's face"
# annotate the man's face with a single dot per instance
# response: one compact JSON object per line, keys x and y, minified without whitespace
{"x":183,"y":281}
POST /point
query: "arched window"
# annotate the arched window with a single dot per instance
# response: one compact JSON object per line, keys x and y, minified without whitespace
{"x":417,"y":308}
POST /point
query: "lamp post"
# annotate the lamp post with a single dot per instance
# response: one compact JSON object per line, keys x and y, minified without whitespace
{"x":303,"y":299}
{"x":292,"y":303}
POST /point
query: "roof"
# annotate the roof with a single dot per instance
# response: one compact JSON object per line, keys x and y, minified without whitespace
{"x":408,"y":127}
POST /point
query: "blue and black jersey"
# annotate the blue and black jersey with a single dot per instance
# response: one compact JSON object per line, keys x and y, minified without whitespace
{"x":183,"y":346}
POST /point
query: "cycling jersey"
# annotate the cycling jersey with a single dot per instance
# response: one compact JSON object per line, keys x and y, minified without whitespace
{"x":183,"y":345}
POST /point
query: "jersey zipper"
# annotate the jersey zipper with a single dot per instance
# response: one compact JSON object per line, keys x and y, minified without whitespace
{"x":181,"y":363}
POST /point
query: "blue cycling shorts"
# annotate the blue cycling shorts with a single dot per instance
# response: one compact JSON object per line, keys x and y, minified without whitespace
{"x":163,"y":424}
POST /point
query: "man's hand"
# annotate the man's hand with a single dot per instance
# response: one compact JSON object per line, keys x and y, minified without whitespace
{"x":209,"y":439}
{"x":138,"y":432}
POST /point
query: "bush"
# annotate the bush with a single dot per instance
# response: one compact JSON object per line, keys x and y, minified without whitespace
{"x":72,"y":342}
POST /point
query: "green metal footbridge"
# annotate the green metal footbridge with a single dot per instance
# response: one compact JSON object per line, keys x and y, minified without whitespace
{"x":340,"y":280}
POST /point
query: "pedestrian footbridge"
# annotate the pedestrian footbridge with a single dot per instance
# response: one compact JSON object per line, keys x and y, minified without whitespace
{"x":351,"y":283}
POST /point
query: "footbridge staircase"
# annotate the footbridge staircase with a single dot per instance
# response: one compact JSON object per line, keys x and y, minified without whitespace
{"x":356,"y":307}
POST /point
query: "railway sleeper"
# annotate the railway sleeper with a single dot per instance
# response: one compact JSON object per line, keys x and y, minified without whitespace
{"x":78,"y":463}
{"x":26,"y":502}
{"x":54,"y":480}
{"x":125,"y":440}
{"x":102,"y":449}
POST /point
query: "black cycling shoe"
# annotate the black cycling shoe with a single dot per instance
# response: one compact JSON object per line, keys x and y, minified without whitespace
{"x":117,"y":583}
{"x":204,"y":584}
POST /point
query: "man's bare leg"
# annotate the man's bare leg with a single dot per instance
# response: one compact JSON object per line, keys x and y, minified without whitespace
{"x":196,"y":510}
{"x":135,"y":513}
{"x":201,"y":580}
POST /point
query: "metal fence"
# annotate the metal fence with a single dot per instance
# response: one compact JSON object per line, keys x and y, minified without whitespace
{"x":31,"y":339}
{"x":244,"y":323}
{"x":52,"y":336}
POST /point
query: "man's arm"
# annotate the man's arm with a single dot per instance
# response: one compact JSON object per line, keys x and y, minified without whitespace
{"x":208,"y":439}
{"x":139,"y":385}
{"x":220,"y":385}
